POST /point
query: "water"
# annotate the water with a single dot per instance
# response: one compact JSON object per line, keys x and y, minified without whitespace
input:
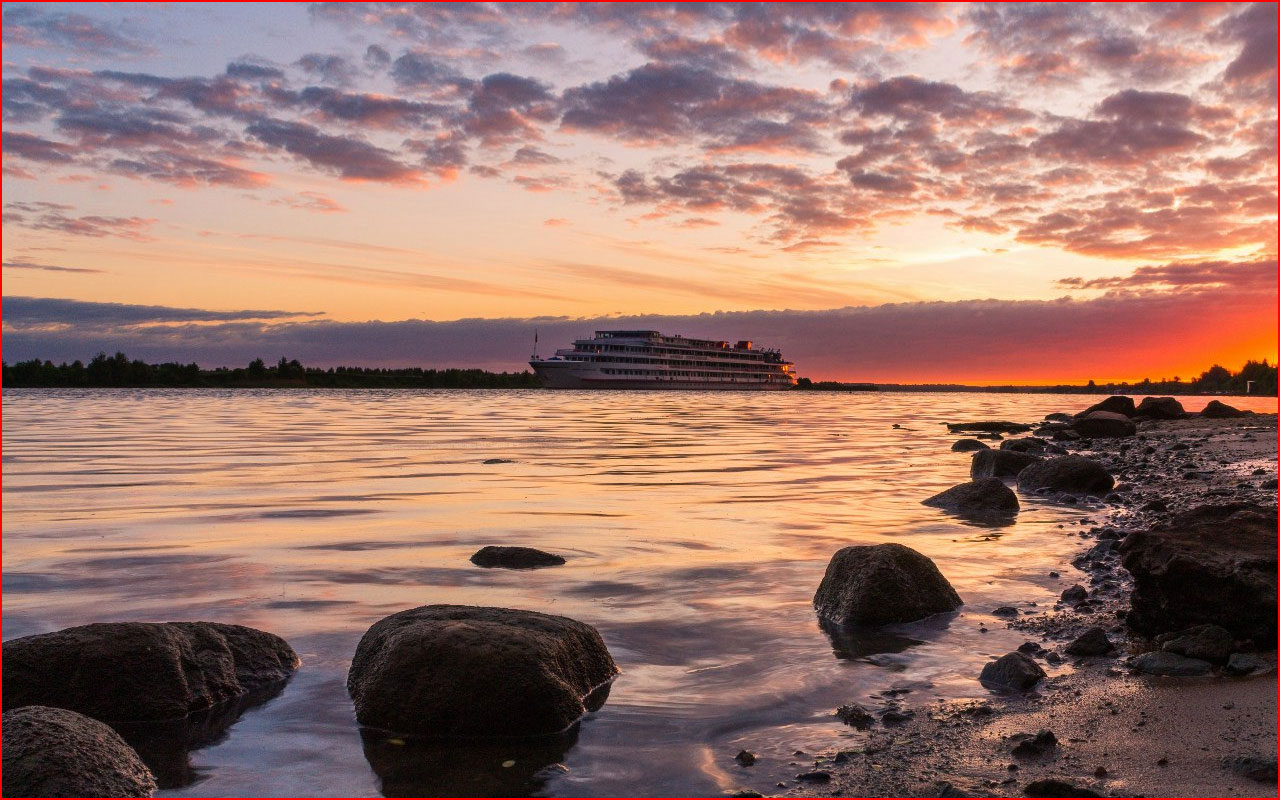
{"x":697,"y":527}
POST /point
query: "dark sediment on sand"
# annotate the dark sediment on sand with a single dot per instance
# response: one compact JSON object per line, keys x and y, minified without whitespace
{"x":1120,"y":731}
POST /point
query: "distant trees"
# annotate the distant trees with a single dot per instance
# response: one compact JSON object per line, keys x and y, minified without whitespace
{"x":1219,"y":379}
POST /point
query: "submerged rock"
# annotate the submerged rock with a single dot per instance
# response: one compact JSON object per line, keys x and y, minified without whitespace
{"x":1219,"y":410}
{"x":515,"y":558}
{"x":967,"y":445}
{"x":1159,"y":662}
{"x":1032,"y":445}
{"x":1104,"y":425}
{"x":53,"y":752}
{"x":999,"y":463}
{"x":133,"y":671}
{"x":1210,"y":565}
{"x":985,"y":498}
{"x":448,"y":671}
{"x":881,"y":584}
{"x":1161,"y":408}
{"x":1066,"y":474}
{"x":1012,"y":672}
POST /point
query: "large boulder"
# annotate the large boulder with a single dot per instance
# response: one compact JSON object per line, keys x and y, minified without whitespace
{"x":1161,"y":408}
{"x":999,"y":463}
{"x":1104,"y":425}
{"x":1075,"y":474}
{"x":136,"y":671}
{"x":985,"y":498}
{"x":1210,"y":565}
{"x":880,"y":584}
{"x":1219,"y":410}
{"x":1011,"y":672}
{"x":465,"y":671}
{"x":1116,"y":404}
{"x":515,"y":558}
{"x":994,"y":426}
{"x":52,"y":752}
{"x":1206,"y":642}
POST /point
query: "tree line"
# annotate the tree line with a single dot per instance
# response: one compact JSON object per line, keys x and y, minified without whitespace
{"x":119,"y":371}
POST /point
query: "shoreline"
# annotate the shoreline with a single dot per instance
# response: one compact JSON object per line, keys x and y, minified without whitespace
{"x":1151,"y":736}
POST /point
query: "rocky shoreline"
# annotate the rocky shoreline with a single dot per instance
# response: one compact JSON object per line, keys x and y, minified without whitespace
{"x":1173,"y":687}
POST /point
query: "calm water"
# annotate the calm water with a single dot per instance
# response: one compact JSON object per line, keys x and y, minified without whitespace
{"x":697,"y":527}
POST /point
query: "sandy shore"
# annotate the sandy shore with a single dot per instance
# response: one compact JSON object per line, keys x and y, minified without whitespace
{"x":1119,"y":733}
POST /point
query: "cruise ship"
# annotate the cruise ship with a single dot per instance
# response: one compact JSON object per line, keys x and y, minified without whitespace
{"x":649,"y":360}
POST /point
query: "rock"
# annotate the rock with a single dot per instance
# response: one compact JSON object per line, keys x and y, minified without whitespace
{"x":1116,"y":404}
{"x":999,"y":463}
{"x":1161,"y":408}
{"x":1219,"y":410}
{"x":967,"y":445}
{"x":988,"y":427}
{"x":1075,"y":594}
{"x":514,"y":558}
{"x":136,"y":671}
{"x":881,"y":584}
{"x":1104,"y":425}
{"x":817,"y":776}
{"x":946,"y":789}
{"x":745,"y":757}
{"x":1058,"y":416}
{"x":1005,"y":611}
{"x":1256,"y":768}
{"x":1052,"y":787}
{"x":498,"y":461}
{"x":1213,"y":564}
{"x":1011,"y":672}
{"x":1159,"y":662}
{"x":985,"y":498}
{"x":52,"y":752}
{"x":1066,"y":474}
{"x":1031,"y":745}
{"x":891,"y":717}
{"x":855,"y":716}
{"x":1245,"y":664}
{"x":1207,"y":642}
{"x":448,"y":671}
{"x":1027,"y":444}
{"x":745,"y":793}
{"x":1093,"y":642}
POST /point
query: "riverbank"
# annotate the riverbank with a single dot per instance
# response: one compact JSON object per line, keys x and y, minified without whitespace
{"x":1118,"y":732}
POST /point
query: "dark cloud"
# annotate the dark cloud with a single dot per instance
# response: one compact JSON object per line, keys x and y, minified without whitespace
{"x":23,"y":313}
{"x":32,"y":26}
{"x":184,"y":169}
{"x":42,"y":216}
{"x":1255,"y":275}
{"x":33,"y":148}
{"x":364,"y":109}
{"x":419,"y":71}
{"x":1255,"y":29}
{"x":348,"y":157}
{"x":253,"y":71}
{"x":50,"y":267}
{"x":910,"y":97}
{"x":331,"y":69}
{"x":532,"y":156}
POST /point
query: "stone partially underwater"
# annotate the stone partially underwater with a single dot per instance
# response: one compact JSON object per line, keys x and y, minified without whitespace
{"x":882,"y":584}
{"x":53,"y":752}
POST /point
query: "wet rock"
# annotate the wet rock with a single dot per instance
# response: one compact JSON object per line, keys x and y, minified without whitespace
{"x":1207,"y":642}
{"x":1161,"y":408}
{"x":514,"y":558}
{"x":1052,"y":787}
{"x":1058,"y":416}
{"x":1256,"y":768}
{"x":133,"y":671}
{"x":1011,"y":672}
{"x":881,"y":584}
{"x":817,"y":776}
{"x":1028,"y":444}
{"x":1104,"y":425}
{"x":1161,"y":663}
{"x":745,"y":757}
{"x":985,"y":498}
{"x":999,"y":463}
{"x":1005,"y":611}
{"x":1075,"y":594}
{"x":891,"y":717}
{"x":1211,"y":565}
{"x":445,"y":671}
{"x":1076,"y":474}
{"x":1093,"y":642}
{"x":498,"y":461}
{"x":745,"y":793}
{"x":52,"y":752}
{"x":968,"y":445}
{"x":988,"y":427}
{"x":1032,"y":745}
{"x":1219,"y":410}
{"x":1116,"y":404}
{"x":855,"y":716}
{"x":1245,"y":664}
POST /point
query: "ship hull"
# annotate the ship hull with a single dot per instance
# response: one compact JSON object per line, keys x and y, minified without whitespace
{"x":571,"y":375}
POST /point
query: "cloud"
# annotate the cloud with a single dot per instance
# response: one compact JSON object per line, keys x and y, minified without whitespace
{"x":51,"y":268}
{"x":31,"y":26}
{"x":1256,"y":275}
{"x":43,"y":216}
{"x":34,"y":148}
{"x":312,"y":201}
{"x":348,"y":157}
{"x":23,"y":313}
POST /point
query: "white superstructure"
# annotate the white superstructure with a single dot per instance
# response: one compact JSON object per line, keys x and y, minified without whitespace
{"x":649,"y":360}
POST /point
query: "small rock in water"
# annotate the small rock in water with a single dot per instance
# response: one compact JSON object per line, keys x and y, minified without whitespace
{"x":514,"y":558}
{"x":498,"y":461}
{"x":968,"y":445}
{"x":745,"y":757}
{"x":1075,"y":594}
{"x":881,"y":584}
{"x":855,"y":716}
{"x":1005,"y":611}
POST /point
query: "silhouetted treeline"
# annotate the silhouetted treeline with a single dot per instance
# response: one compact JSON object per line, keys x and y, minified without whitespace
{"x":1215,"y":380}
{"x":119,"y":371}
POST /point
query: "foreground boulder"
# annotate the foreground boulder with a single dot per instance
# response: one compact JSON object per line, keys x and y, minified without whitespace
{"x":1173,"y":665}
{"x":515,"y":558}
{"x":138,"y":671}
{"x":1219,"y":410}
{"x":1012,"y":672}
{"x":985,"y":498}
{"x":1075,"y":474}
{"x":1104,"y":425}
{"x":881,"y":584}
{"x":1116,"y":404}
{"x":1205,"y":642}
{"x":459,"y":671}
{"x":1211,"y":565}
{"x":1161,"y":408}
{"x":999,"y":463}
{"x":52,"y":752}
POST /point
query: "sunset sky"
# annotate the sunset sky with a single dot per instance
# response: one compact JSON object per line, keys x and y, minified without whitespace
{"x":909,"y":193}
